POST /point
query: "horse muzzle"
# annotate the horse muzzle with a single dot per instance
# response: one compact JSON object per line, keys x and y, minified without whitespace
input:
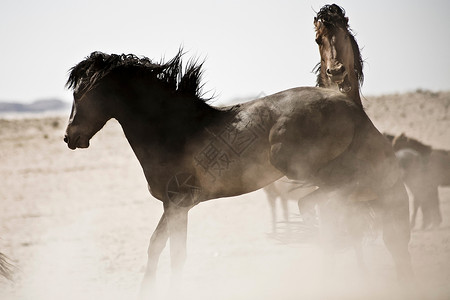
{"x":337,"y":74}
{"x":76,"y":142}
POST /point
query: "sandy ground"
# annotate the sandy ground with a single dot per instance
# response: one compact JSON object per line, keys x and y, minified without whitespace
{"x":77,"y":223}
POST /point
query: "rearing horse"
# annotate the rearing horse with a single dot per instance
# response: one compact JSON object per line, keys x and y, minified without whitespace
{"x":191,"y":152}
{"x":341,"y":69}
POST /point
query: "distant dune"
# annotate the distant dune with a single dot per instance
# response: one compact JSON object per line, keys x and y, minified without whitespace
{"x":39,"y":106}
{"x":422,"y":114}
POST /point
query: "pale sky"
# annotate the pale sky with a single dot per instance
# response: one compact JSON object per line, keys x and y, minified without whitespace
{"x":249,"y":46}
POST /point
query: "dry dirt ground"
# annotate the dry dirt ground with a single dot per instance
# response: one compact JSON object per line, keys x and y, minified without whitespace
{"x":76,"y":224}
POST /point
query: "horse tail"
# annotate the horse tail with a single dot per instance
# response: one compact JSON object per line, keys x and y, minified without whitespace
{"x":5,"y":267}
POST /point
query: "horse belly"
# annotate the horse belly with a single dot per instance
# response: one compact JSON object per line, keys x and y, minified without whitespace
{"x":233,"y":159}
{"x":231,"y":174}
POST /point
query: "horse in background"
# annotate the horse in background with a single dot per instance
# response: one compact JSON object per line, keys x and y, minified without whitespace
{"x":285,"y":190}
{"x":424,"y":170}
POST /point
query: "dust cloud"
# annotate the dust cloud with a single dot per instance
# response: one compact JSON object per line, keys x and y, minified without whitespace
{"x":76,"y":225}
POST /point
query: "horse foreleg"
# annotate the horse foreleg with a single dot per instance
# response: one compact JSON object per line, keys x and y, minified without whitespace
{"x":433,"y":204}
{"x":177,"y":218}
{"x":396,"y":228}
{"x":307,"y":205}
{"x":158,"y":242}
{"x":416,"y":205}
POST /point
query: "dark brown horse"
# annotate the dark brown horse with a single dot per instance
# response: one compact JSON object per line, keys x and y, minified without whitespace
{"x":192,"y":152}
{"x":424,"y":170}
{"x":340,"y":68}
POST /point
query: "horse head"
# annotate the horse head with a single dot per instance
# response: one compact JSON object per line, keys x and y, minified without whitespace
{"x":341,"y":64}
{"x":127,"y":87}
{"x":89,"y":110}
{"x":403,"y":142}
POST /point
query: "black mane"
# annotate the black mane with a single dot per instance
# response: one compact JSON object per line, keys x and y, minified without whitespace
{"x":86,"y":74}
{"x":333,"y":16}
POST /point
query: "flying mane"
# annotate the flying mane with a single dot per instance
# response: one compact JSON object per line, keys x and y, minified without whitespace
{"x":333,"y":16}
{"x":86,"y":74}
{"x":5,"y":267}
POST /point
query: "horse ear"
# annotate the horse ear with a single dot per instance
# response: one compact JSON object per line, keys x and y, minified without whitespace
{"x":398,"y":138}
{"x":317,"y":23}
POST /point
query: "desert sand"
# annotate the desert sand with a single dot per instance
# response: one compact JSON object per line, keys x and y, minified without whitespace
{"x":76,"y":224}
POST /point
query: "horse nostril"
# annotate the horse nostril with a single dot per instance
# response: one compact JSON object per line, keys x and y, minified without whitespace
{"x":328,"y":71}
{"x":66,"y":139}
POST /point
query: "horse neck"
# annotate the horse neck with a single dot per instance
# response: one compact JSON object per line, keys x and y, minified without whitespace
{"x":413,"y":144}
{"x":354,"y":94}
{"x":167,"y":125}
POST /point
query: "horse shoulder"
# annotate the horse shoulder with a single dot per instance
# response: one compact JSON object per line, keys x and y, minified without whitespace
{"x":376,"y":156}
{"x":310,"y":135}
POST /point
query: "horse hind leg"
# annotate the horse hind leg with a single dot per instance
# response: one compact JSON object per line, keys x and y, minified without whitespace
{"x":285,"y":208}
{"x":396,"y":228}
{"x":273,"y":210}
{"x":357,"y":222}
{"x":416,"y":205}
